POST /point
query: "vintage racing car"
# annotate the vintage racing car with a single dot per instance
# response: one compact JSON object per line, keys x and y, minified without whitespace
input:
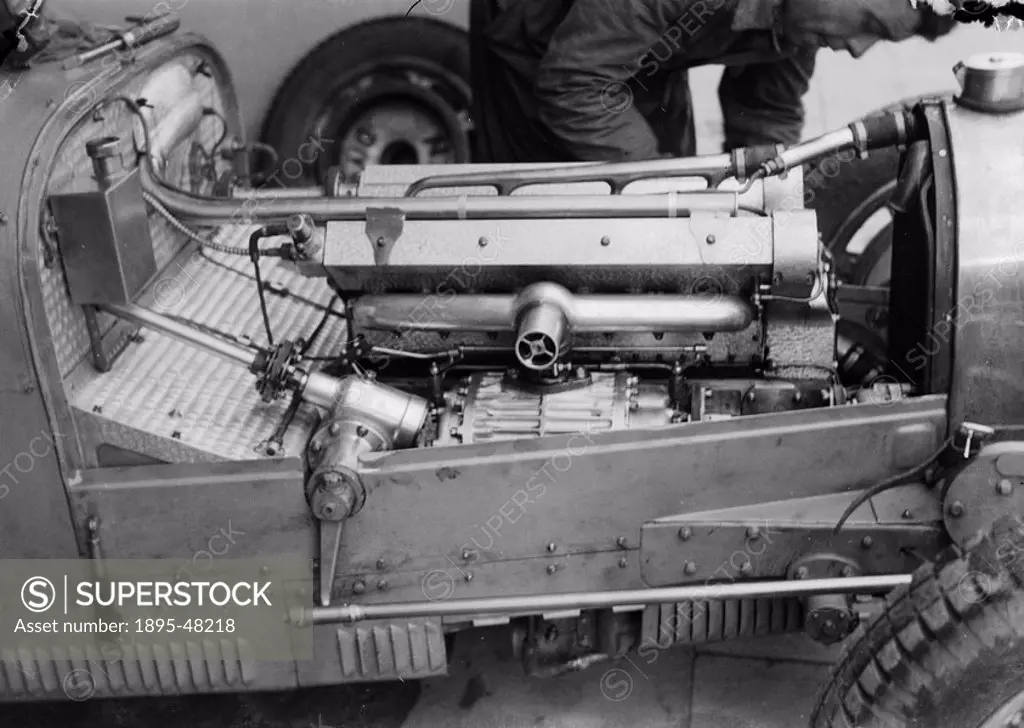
{"x":615,"y":406}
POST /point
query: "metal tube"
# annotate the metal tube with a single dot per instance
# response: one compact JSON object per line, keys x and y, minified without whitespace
{"x":210,"y":211}
{"x":200,"y":339}
{"x":661,"y":313}
{"x":831,"y":141}
{"x":615,"y":174}
{"x":259,"y":193}
{"x":598,"y":600}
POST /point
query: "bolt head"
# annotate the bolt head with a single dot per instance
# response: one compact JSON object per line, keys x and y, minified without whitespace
{"x":690,"y":568}
{"x":1005,"y":487}
{"x":359,"y":587}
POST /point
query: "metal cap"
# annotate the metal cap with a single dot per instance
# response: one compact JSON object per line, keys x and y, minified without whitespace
{"x":992,"y":82}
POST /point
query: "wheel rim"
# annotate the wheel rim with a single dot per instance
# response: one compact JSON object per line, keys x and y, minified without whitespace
{"x":862,"y":245}
{"x":399,"y":111}
{"x":395,"y":132}
{"x":1010,"y":715}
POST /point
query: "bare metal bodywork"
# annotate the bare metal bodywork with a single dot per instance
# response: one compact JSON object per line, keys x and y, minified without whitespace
{"x":602,"y":420}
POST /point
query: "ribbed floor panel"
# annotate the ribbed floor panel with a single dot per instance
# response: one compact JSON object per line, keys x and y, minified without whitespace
{"x":171,"y":401}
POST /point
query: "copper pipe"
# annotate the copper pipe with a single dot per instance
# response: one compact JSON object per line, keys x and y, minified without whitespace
{"x":541,"y":603}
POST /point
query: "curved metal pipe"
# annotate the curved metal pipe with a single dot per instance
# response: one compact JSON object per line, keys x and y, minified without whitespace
{"x":542,"y":603}
{"x":607,"y":313}
{"x":210,"y":211}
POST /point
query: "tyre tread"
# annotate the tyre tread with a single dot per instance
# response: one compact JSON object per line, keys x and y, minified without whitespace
{"x":929,"y":634}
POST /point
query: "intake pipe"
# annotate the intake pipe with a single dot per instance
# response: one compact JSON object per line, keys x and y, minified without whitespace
{"x":544,"y":316}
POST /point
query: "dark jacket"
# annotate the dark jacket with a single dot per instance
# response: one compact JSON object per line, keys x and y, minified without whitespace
{"x":605,"y":80}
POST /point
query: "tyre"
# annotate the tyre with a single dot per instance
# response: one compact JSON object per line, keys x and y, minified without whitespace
{"x":853,"y":214}
{"x":948,"y":652}
{"x":393,"y":91}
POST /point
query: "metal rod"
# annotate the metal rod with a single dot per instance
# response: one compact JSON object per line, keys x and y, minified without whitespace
{"x":615,"y":174}
{"x":832,"y":141}
{"x":213,"y":344}
{"x":598,"y":600}
{"x":242,"y":193}
{"x":211,"y":211}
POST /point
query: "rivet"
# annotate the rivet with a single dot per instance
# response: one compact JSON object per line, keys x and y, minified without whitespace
{"x":606,"y":241}
{"x":801,"y":573}
{"x":362,"y":431}
{"x":382,"y":585}
{"x":623,"y":563}
{"x":847,"y":571}
{"x":552,"y":547}
{"x":468,"y":576}
{"x":467,"y":554}
{"x":380,"y":242}
{"x":482,"y":242}
{"x":552,"y":569}
{"x":753,"y":533}
{"x":621,"y":542}
{"x":690,"y":568}
{"x":943,"y":152}
{"x":359,"y":587}
{"x":746,"y":568}
{"x":382,"y":564}
{"x":907,"y":513}
{"x":3,"y":218}
{"x":867,"y":542}
{"x":710,"y":239}
{"x":1005,"y":487}
{"x":335,"y":428}
{"x":685,"y":533}
{"x":956,"y":509}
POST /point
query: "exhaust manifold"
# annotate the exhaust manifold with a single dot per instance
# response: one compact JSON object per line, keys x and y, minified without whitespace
{"x":544,"y":316}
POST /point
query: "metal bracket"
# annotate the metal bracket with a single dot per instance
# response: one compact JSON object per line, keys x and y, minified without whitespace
{"x":709,"y":228}
{"x":384,"y":227}
{"x":106,"y":348}
{"x":767,"y":541}
{"x":990,"y":487}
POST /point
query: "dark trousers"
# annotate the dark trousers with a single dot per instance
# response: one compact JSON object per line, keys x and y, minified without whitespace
{"x":506,"y":131}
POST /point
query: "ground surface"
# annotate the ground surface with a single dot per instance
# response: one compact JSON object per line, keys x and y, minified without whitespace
{"x":759,"y":684}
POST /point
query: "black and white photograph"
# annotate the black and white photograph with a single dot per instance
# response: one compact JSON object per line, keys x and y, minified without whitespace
{"x":511,"y":364}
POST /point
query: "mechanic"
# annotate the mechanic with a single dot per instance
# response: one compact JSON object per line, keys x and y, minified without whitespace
{"x":606,"y":80}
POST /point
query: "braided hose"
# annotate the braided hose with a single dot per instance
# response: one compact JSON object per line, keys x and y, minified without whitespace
{"x":185,"y":230}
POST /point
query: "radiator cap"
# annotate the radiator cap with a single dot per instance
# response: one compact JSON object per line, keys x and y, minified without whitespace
{"x":991,"y":82}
